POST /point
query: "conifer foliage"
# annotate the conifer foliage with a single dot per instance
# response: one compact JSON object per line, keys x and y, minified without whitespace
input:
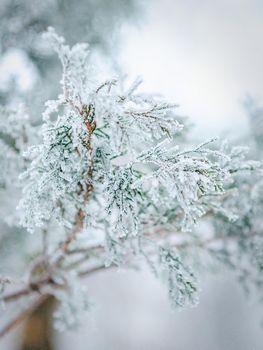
{"x":107,"y":180}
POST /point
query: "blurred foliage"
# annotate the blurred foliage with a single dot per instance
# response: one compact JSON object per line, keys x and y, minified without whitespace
{"x":22,"y":22}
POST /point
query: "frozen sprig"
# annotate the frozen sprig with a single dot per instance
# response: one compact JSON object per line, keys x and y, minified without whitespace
{"x":181,"y":281}
{"x":197,"y":178}
{"x":57,"y":173}
{"x":123,"y":201}
{"x":108,"y":179}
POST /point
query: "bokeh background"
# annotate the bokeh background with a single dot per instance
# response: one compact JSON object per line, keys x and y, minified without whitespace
{"x":207,"y":56}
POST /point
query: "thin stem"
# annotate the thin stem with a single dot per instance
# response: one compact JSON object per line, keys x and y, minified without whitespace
{"x":38,"y":285}
{"x":78,"y":226}
{"x":23,"y":315}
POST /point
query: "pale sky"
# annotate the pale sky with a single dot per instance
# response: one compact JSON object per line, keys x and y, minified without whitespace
{"x":204,"y":55}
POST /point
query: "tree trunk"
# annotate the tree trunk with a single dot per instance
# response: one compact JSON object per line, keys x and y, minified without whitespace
{"x":37,"y":331}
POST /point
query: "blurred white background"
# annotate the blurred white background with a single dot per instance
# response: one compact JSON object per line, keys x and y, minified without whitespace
{"x":132,"y":312}
{"x":205,"y":55}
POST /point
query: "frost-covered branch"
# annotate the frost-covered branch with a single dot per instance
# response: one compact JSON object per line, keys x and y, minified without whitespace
{"x":107,"y":181}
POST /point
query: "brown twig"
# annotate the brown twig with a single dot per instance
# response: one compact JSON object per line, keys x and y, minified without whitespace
{"x":23,"y":315}
{"x":30,"y":288}
{"x":38,"y":285}
{"x":75,"y":231}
